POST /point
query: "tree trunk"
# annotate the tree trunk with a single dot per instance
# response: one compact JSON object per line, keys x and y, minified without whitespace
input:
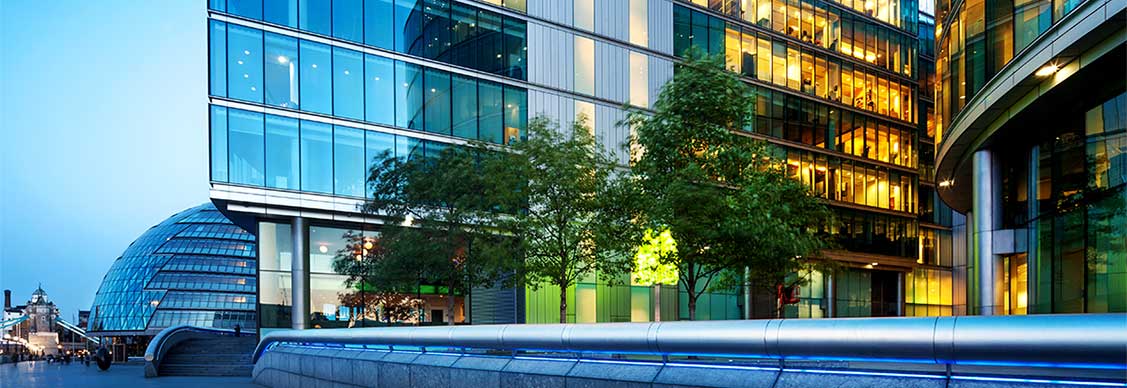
{"x":692,"y":306}
{"x":450,"y":304}
{"x":563,"y":304}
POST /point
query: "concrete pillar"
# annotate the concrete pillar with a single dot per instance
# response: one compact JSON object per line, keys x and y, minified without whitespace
{"x":1033,"y":299}
{"x":831,"y":296}
{"x":985,"y":186}
{"x":299,"y":318}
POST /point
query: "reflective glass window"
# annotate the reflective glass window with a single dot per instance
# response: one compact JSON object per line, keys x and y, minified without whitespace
{"x":379,"y":90}
{"x":584,"y":14}
{"x":316,"y":77}
{"x":437,"y":105}
{"x":218,"y":5}
{"x":377,"y":147}
{"x":348,"y":83}
{"x":219,"y":143}
{"x":639,"y":80}
{"x":464,"y":106}
{"x":317,"y":157}
{"x":217,"y":57}
{"x":516,"y":48}
{"x":282,"y":153}
{"x":348,"y":20}
{"x":245,"y":139}
{"x":516,"y":113}
{"x":639,"y":22}
{"x":244,"y":63}
{"x":378,"y":22}
{"x":490,"y":101}
{"x":408,"y":95}
{"x":282,"y":12}
{"x":436,"y":29}
{"x":408,"y":24}
{"x":281,"y":71}
{"x":492,"y":43}
{"x":316,"y":16}
{"x":246,"y":8}
{"x":348,"y":161}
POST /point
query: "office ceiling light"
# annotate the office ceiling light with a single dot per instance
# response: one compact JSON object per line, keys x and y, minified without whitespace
{"x":1047,"y":70}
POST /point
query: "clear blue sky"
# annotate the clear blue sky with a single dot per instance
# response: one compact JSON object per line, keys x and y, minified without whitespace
{"x":102,"y":134}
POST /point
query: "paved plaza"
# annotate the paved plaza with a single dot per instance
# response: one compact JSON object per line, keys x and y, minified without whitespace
{"x":40,"y":374}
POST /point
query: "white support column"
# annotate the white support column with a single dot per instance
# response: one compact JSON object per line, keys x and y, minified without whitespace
{"x":987,"y":215}
{"x":299,"y":318}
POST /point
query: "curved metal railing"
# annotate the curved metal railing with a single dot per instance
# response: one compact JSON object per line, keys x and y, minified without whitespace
{"x":1069,"y":341}
{"x":169,"y":337}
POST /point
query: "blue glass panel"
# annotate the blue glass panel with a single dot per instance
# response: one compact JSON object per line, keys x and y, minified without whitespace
{"x":463,"y":49}
{"x":490,"y":111}
{"x":218,"y":143}
{"x":408,"y":147}
{"x":316,"y":78}
{"x":246,"y":8}
{"x":316,"y":16}
{"x":244,"y":63}
{"x":217,"y":57}
{"x":464,"y":109}
{"x":282,"y":153}
{"x":348,"y":83}
{"x":218,"y":5}
{"x":408,"y":95}
{"x":516,"y":113}
{"x":436,"y":29}
{"x":408,"y":25}
{"x":348,"y":20}
{"x":377,"y":147}
{"x":516,"y":50}
{"x":379,"y":90}
{"x":348,"y":161}
{"x":246,"y":147}
{"x":281,"y":71}
{"x":437,"y":108}
{"x":316,"y":157}
{"x":282,"y":12}
{"x":491,"y":45}
{"x":378,"y":19}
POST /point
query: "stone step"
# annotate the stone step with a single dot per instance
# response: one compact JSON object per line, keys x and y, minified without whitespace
{"x":206,"y":370}
{"x":206,"y":359}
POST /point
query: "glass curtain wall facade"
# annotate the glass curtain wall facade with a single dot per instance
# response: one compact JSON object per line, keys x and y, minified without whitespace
{"x":194,"y":268}
{"x":1053,"y":167}
{"x":835,"y":90}
{"x":303,"y":94}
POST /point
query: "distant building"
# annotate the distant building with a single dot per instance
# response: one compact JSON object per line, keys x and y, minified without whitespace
{"x":194,"y":268}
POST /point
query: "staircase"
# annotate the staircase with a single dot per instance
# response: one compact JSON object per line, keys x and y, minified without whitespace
{"x":210,"y":356}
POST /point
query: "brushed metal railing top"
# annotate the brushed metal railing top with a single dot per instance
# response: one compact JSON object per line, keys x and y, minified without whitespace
{"x":1072,"y":340}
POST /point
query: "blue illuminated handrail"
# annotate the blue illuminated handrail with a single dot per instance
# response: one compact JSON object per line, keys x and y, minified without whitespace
{"x":1075,"y":341}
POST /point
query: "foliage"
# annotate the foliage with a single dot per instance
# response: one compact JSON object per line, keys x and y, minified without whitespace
{"x":727,"y":202}
{"x":650,"y":267}
{"x":566,"y":204}
{"x":438,"y":229}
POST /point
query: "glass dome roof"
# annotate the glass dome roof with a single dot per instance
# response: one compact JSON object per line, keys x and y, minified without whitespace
{"x":194,"y":268}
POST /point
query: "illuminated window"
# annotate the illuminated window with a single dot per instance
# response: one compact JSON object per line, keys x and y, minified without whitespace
{"x":639,"y":80}
{"x":639,"y":22}
{"x":584,"y":65}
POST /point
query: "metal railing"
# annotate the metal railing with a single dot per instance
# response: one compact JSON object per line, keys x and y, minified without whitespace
{"x":1097,"y":341}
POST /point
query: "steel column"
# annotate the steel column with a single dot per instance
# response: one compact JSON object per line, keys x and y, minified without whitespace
{"x":299,"y":318}
{"x":985,"y":187}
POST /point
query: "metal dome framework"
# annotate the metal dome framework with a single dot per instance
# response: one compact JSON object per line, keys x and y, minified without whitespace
{"x":194,"y":268}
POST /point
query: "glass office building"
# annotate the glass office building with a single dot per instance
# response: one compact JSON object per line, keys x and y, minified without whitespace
{"x":194,"y":268}
{"x":303,"y":94}
{"x":1032,"y":116}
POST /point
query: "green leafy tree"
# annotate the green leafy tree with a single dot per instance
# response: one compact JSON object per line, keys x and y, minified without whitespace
{"x":566,"y":204}
{"x":437,"y":231}
{"x":726,"y":201}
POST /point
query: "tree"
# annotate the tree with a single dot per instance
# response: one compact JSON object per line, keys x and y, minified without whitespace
{"x":726,"y":201}
{"x":438,"y":230}
{"x":566,"y":204}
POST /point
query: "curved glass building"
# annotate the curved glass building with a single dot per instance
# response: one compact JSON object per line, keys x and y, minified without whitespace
{"x":194,"y":268}
{"x":1033,"y":126}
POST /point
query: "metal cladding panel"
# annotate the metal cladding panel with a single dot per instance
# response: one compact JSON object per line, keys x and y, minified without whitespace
{"x":612,"y":18}
{"x":661,"y":26}
{"x":612,"y":72}
{"x":611,"y":135}
{"x":558,"y":11}
{"x":550,"y":57}
{"x":661,"y":71}
{"x":553,"y":106}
